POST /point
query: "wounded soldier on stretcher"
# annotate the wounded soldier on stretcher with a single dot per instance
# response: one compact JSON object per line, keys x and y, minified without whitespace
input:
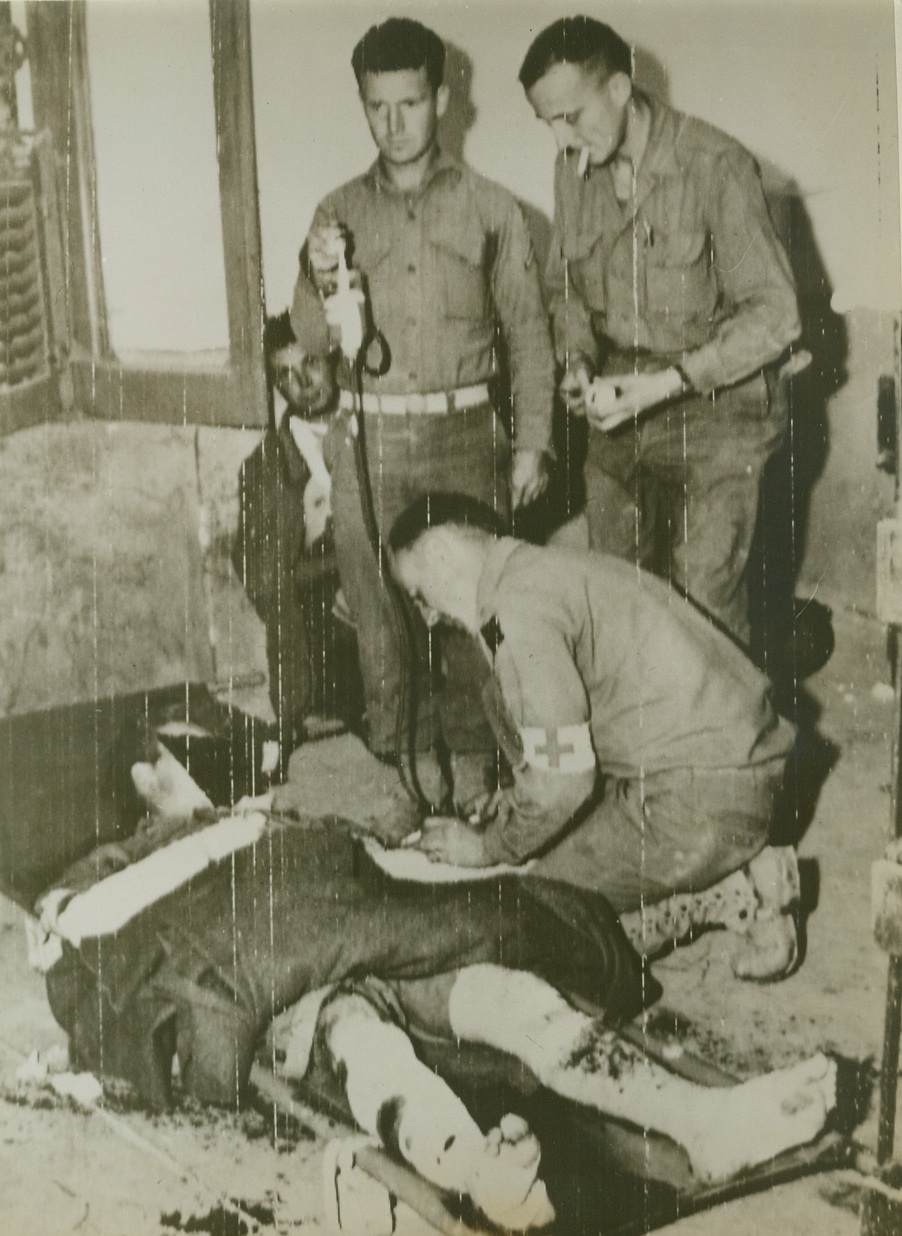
{"x":189,"y":949}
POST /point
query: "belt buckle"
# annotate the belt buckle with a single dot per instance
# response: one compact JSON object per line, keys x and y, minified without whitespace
{"x":416,"y":403}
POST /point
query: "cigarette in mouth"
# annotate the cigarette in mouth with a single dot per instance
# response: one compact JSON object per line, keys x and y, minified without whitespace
{"x":583,"y":164}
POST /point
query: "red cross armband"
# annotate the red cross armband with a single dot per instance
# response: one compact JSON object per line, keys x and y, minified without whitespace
{"x":564,"y":749}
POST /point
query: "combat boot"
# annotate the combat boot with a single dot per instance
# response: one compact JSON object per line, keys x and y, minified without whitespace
{"x":769,"y":948}
{"x":758,"y":904}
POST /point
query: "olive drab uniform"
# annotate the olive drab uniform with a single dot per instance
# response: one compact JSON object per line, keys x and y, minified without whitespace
{"x":689,"y":271}
{"x":446,"y":269}
{"x":646,"y":753}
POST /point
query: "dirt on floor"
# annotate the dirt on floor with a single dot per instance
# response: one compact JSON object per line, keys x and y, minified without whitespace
{"x":115,"y":1170}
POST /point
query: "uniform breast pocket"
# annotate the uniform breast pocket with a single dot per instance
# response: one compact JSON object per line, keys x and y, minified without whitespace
{"x":679,"y":281}
{"x":461,"y":279}
{"x":585,"y":266}
{"x":372,"y":257}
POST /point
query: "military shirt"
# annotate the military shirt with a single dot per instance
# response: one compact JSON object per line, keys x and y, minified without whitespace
{"x":445,"y":267}
{"x":604,"y":669}
{"x":690,"y":268}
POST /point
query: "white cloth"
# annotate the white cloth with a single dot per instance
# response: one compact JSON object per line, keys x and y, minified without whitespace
{"x":110,"y":904}
{"x":416,"y":867}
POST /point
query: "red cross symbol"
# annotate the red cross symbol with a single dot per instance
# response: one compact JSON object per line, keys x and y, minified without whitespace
{"x":554,"y":750}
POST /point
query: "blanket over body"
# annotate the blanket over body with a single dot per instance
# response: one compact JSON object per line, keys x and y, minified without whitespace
{"x":200,"y":973}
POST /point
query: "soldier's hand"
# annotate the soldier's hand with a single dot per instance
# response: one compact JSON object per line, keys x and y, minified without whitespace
{"x":612,"y":401}
{"x":323,"y":246}
{"x":574,"y":384}
{"x":529,"y":477}
{"x":448,"y":840}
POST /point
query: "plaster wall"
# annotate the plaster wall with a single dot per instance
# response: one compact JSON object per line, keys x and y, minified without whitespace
{"x":103,"y":584}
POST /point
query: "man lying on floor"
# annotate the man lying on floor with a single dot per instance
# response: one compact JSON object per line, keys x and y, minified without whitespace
{"x":275,"y":910}
{"x":646,"y":753}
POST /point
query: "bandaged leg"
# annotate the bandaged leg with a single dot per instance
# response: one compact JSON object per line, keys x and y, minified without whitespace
{"x":393,"y":1096}
{"x":723,"y":1130}
{"x":757,"y":902}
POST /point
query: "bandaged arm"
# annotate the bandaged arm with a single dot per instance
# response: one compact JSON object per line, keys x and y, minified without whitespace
{"x":547,"y":712}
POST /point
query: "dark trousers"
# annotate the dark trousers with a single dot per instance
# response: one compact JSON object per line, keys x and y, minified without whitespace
{"x":466,"y":452}
{"x":678,"y":491}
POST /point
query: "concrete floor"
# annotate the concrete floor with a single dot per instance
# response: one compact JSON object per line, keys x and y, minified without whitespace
{"x":116,"y":1170}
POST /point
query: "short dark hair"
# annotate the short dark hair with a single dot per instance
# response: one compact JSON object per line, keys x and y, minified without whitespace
{"x":400,"y":43}
{"x":278,"y":333}
{"x":434,"y":510}
{"x":575,"y":40}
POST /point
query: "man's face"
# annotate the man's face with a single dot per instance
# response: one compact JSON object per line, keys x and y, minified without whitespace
{"x":432,"y":581}
{"x":583,"y":109}
{"x":304,"y":380}
{"x":403,"y":112}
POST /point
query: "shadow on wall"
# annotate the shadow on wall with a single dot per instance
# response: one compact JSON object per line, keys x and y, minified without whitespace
{"x":460,"y":117}
{"x":456,"y":125}
{"x":795,"y":469}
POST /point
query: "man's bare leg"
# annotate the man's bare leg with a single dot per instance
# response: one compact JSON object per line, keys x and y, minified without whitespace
{"x":723,"y":1130}
{"x":394,"y":1096}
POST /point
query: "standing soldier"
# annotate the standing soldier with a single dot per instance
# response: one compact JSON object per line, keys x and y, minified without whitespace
{"x":667,"y":279}
{"x":447,"y":262}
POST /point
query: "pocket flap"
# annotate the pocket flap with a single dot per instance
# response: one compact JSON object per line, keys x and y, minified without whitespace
{"x":457,"y":234}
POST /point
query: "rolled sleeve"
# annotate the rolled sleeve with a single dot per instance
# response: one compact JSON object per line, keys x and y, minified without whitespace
{"x":523,"y":317}
{"x":761,"y":313}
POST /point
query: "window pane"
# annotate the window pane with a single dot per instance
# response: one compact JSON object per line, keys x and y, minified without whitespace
{"x":157,"y":180}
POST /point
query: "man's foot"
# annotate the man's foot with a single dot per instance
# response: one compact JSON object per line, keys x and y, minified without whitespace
{"x":742,"y":1126}
{"x":502,"y":1178}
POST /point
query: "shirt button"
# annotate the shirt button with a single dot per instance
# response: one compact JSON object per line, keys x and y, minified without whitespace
{"x":411,"y":268}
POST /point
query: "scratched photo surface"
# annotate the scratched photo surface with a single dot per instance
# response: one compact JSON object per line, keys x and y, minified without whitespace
{"x":328,"y":852}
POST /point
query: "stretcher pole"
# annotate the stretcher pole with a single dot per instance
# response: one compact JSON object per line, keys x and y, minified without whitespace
{"x":888,"y":928}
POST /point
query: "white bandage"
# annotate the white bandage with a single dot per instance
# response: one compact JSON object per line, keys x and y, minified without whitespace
{"x":106,"y":907}
{"x":564,"y":749}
